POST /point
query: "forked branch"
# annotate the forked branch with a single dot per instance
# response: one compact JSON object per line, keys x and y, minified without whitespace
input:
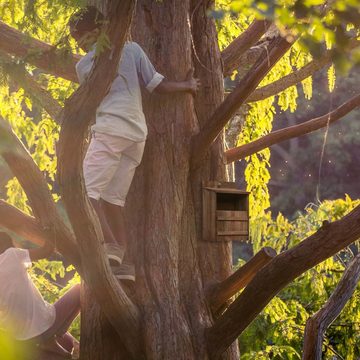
{"x":38,"y":53}
{"x":220,"y":293}
{"x":36,"y":188}
{"x":290,"y":132}
{"x":78,"y":112}
{"x":232,"y":54}
{"x":319,"y":322}
{"x":201,"y":142}
{"x":274,"y":276}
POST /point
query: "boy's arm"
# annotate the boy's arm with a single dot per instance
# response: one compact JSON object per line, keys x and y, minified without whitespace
{"x":41,"y":252}
{"x":191,"y":85}
{"x":155,"y":82}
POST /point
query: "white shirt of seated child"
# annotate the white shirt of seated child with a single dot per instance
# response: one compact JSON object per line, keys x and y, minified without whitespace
{"x":23,"y":311}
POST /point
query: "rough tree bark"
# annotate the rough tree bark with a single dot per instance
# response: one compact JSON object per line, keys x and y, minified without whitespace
{"x":174,"y":266}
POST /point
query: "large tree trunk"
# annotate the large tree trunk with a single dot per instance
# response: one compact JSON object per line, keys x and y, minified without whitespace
{"x":173,"y":265}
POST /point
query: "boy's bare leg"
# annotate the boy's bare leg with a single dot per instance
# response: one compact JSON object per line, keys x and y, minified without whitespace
{"x":109,"y":236}
{"x":113,"y":248}
{"x":116,"y":220}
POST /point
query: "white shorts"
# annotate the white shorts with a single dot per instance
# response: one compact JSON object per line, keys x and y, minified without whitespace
{"x":109,"y":167}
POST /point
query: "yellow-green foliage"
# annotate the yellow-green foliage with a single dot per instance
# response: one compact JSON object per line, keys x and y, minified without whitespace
{"x":331,"y":78}
{"x":45,"y":20}
{"x":310,"y":18}
{"x":230,"y":25}
{"x":39,"y":133}
{"x":259,"y":123}
{"x":317,"y":28}
{"x":278,"y":332}
{"x":260,"y":115}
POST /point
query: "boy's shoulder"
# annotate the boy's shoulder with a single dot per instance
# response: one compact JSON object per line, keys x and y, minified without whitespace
{"x":133,"y":47}
{"x":132,"y":44}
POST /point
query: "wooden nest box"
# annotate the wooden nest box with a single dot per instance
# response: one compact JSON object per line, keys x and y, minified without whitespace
{"x":225,"y":212}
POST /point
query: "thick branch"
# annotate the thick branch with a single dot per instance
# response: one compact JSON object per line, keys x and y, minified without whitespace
{"x":233,"y":53}
{"x":297,"y":76}
{"x":31,"y":87}
{"x":273,"y":277}
{"x":32,"y":181}
{"x":319,"y":322}
{"x":38,"y":53}
{"x":223,"y":291}
{"x":290,"y":132}
{"x":225,"y":111}
{"x":250,"y":57}
{"x":20,"y":223}
{"x":78,"y":112}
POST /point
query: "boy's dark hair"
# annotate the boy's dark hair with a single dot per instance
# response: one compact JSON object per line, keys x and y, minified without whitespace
{"x":86,"y":20}
{"x":5,"y":242}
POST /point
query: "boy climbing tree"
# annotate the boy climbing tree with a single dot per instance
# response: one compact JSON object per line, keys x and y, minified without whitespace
{"x":119,"y":134}
{"x":24,"y":314}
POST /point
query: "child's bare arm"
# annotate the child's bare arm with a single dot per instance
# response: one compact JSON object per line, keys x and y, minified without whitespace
{"x":191,"y":85}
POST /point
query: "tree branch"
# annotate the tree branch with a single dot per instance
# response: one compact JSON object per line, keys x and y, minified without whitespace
{"x":233,"y":53}
{"x":78,"y":112}
{"x":32,"y":181}
{"x":31,"y":87}
{"x":250,"y":57}
{"x":290,"y":132}
{"x":222,"y":292}
{"x":224,"y":112}
{"x":20,"y":223}
{"x":297,"y":76}
{"x":273,"y":277}
{"x":38,"y":53}
{"x":319,"y":322}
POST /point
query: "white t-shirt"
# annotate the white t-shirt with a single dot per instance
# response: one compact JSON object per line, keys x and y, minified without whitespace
{"x":120,"y":113}
{"x":23,"y":311}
